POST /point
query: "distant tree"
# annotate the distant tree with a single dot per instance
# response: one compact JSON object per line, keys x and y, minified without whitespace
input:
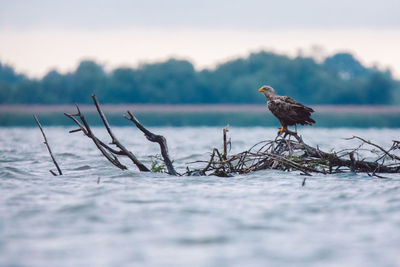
{"x":6,"y":93}
{"x":9,"y":81}
{"x":88,"y":78}
{"x":56,"y":87}
{"x":7,"y":74}
{"x":29,"y":92}
{"x":340,"y":79}
{"x":378,"y":89}
{"x":173,"y":81}
{"x":346,"y":65}
{"x":122,"y":87}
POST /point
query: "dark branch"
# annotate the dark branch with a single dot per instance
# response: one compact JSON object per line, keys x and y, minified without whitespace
{"x":116,"y":142}
{"x":85,"y":128}
{"x":210,"y":162}
{"x":48,"y":147}
{"x":286,"y":154}
{"x":155,"y":138}
{"x":224,"y":131}
{"x":392,"y":156}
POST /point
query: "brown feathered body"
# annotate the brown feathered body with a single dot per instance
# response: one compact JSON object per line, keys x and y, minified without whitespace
{"x":287,"y":110}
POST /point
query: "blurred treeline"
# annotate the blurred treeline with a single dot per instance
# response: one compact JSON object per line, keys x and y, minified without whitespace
{"x":340,"y":79}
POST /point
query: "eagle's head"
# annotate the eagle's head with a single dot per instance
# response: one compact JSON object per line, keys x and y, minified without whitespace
{"x":267,"y":90}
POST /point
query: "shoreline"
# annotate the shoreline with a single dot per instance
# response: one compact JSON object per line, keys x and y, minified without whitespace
{"x":192,"y":108}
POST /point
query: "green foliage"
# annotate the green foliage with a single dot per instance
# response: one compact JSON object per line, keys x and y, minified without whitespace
{"x":340,"y":79}
{"x":157,"y":166}
{"x":346,"y":65}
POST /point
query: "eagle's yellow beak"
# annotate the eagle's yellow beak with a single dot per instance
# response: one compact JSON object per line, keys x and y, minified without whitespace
{"x":260,"y":90}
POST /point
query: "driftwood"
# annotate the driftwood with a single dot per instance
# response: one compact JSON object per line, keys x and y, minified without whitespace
{"x":154,"y":138}
{"x":48,"y":148}
{"x":107,"y":151}
{"x":287,"y":153}
{"x":114,"y":140}
{"x":111,"y":153}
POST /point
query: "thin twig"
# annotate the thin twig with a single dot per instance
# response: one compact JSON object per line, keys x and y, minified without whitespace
{"x":375,"y":145}
{"x":210,"y":161}
{"x":48,"y":147}
{"x":224,"y":131}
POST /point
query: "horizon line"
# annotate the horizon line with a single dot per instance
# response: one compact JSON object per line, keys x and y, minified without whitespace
{"x":190,"y":108}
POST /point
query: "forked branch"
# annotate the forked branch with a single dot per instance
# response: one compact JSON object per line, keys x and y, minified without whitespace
{"x":154,"y":138}
{"x":85,"y":128}
{"x":111,"y":153}
{"x":116,"y":142}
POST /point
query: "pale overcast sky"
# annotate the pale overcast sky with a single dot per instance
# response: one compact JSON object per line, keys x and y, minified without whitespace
{"x":39,"y":35}
{"x":203,"y":14}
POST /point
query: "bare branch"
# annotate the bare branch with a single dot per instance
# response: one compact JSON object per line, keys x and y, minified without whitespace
{"x":116,"y":142}
{"x":286,"y":154}
{"x":48,"y":147}
{"x":154,"y":138}
{"x":377,"y":146}
{"x":224,"y":131}
{"x":210,"y":162}
{"x":85,"y":128}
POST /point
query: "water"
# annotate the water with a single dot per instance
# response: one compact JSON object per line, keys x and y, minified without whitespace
{"x":97,"y":215}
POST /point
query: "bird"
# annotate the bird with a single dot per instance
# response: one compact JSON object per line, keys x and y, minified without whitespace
{"x":288,"y":111}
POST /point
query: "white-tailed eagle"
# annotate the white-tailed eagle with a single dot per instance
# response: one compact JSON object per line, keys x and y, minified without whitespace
{"x":288,"y":111}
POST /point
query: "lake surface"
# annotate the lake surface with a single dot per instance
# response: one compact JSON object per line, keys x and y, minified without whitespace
{"x":217,"y":115}
{"x":98,"y":215}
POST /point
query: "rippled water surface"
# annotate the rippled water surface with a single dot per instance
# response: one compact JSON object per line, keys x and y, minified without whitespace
{"x":97,"y":215}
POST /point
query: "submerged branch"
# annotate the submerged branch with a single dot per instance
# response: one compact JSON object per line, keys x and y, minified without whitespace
{"x":110,"y":153}
{"x":116,"y":142}
{"x":386,"y":152}
{"x":85,"y":128}
{"x":154,"y":138}
{"x":287,"y":155}
{"x":48,"y":148}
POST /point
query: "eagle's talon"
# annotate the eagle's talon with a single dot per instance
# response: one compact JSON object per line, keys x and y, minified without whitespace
{"x":283,"y":129}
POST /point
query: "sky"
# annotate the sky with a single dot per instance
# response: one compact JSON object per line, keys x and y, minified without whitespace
{"x":37,"y":36}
